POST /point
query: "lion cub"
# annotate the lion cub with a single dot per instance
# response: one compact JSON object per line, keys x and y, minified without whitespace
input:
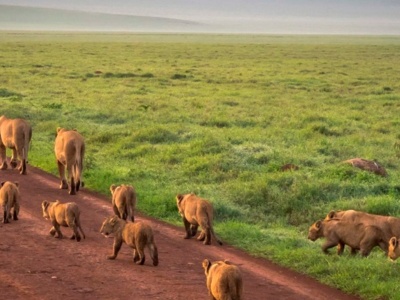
{"x":196,"y":211}
{"x":63,"y":214}
{"x":9,"y":199}
{"x":224,"y":280}
{"x":123,"y":201}
{"x":136,"y":235}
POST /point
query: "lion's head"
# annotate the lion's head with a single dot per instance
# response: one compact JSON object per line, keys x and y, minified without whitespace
{"x":315,"y":230}
{"x":45,"y":206}
{"x":109,"y":226}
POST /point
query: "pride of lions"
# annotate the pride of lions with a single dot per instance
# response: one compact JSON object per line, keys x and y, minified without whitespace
{"x":223,"y":279}
{"x":358,"y":230}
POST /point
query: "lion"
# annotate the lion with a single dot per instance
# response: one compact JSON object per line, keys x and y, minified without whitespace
{"x":138,"y":236}
{"x":358,"y":236}
{"x":123,"y":201}
{"x":195,"y":212}
{"x":394,"y":251}
{"x":15,"y":134}
{"x":224,"y":280}
{"x":9,"y":199}
{"x":70,"y":150}
{"x":63,"y":214}
{"x":389,"y":225}
{"x":367,"y":165}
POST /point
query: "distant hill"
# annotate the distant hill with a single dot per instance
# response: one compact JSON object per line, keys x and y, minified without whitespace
{"x":46,"y":19}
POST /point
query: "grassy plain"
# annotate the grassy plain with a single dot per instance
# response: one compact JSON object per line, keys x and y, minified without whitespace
{"x":219,"y":115}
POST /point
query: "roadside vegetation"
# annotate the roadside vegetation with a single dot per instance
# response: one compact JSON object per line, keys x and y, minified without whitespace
{"x":219,"y":116}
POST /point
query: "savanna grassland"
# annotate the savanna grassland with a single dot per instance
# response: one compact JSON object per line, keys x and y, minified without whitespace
{"x":219,"y":115}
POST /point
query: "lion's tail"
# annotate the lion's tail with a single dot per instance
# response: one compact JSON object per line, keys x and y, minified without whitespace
{"x":215,"y":236}
{"x":78,"y":225}
{"x":154,"y":253}
{"x":131,"y":205}
{"x":80,"y":229}
{"x":235,"y":288}
{"x":212,"y":230}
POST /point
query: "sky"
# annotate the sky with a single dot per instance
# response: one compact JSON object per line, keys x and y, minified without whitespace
{"x":257,"y":16}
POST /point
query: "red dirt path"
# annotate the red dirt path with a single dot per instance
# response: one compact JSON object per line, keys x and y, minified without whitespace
{"x":34,"y":265}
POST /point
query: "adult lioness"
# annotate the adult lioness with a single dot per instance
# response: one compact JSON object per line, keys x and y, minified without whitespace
{"x":390,"y":226}
{"x":70,"y":150}
{"x":15,"y":134}
{"x":9,"y":199}
{"x":196,"y":211}
{"x":224,"y":280}
{"x":358,"y":236}
{"x":123,"y":201}
{"x":136,"y":235}
{"x":63,"y":214}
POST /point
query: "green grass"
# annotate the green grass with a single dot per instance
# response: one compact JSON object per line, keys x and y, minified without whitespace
{"x":219,"y":115}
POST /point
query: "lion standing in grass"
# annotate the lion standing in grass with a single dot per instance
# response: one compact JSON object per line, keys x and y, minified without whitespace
{"x":15,"y":134}
{"x":70,"y":150}
{"x":9,"y":199}
{"x":136,"y":235}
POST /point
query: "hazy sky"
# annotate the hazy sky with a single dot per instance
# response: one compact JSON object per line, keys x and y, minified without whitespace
{"x":269,"y":16}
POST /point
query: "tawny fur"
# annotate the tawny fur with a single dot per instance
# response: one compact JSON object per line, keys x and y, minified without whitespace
{"x":63,"y":214}
{"x":15,"y":134}
{"x":390,"y":226}
{"x":394,"y":251}
{"x":367,"y":165}
{"x":223,"y":279}
{"x":138,"y":235}
{"x":124,"y":201}
{"x":69,"y":149}
{"x":195,"y":212}
{"x":358,"y":236}
{"x":9,"y":200}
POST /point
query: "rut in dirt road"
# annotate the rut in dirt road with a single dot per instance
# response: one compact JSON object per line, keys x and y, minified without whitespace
{"x":35,"y":265}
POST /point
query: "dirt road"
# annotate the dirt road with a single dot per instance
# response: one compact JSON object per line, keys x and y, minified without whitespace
{"x":34,"y":265}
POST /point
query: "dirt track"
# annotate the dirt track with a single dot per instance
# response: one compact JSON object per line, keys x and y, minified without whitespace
{"x":34,"y":265}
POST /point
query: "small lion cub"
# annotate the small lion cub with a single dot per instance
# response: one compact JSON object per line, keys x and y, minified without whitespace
{"x":9,"y":199}
{"x":124,"y":201}
{"x":224,"y":280}
{"x":136,"y":235}
{"x":63,"y":214}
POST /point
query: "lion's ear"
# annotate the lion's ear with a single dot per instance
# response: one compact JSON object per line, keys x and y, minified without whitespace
{"x":45,"y":204}
{"x":227,"y":262}
{"x":332,"y":214}
{"x":206,"y":265}
{"x":318,"y":224}
{"x":179,"y":197}
{"x":394,"y":242}
{"x":2,"y":183}
{"x":16,"y":183}
{"x":112,"y":188}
